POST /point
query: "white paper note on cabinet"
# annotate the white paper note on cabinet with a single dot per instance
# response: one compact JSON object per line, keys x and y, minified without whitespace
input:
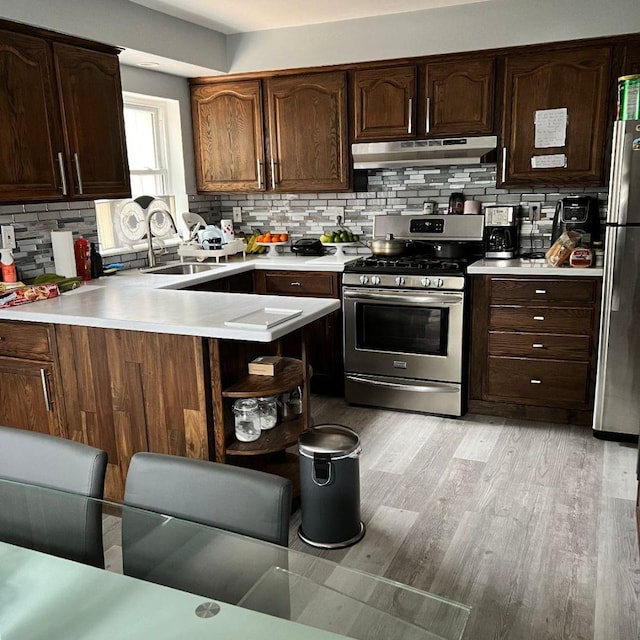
{"x":551,"y":128}
{"x":551,"y":161}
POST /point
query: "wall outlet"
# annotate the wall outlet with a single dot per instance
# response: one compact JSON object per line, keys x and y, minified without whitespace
{"x":237,"y":214}
{"x":531,"y":210}
{"x":8,"y":237}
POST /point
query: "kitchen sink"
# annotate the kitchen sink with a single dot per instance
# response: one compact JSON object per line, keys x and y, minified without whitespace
{"x":183,"y":268}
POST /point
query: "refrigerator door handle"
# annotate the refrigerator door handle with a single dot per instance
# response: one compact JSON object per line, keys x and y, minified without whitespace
{"x":614,"y":178}
{"x":618,"y":261}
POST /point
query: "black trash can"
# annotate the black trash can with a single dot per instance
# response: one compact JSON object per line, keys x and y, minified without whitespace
{"x":330,"y":486}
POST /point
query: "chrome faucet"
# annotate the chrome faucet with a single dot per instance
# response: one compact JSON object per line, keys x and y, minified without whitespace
{"x":147,"y":224}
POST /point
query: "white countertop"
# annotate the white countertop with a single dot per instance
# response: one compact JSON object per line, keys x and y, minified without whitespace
{"x":528,"y":267}
{"x":141,"y":301}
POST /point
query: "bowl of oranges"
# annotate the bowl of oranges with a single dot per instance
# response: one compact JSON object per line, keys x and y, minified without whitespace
{"x":272,"y":240}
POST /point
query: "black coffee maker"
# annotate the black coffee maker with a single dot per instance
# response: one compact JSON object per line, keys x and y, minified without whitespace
{"x":577,"y":213}
{"x":501,"y":231}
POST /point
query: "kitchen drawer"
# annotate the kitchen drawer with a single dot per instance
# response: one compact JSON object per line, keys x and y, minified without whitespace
{"x":541,"y":319}
{"x":552,"y":383}
{"x":25,"y":340}
{"x":540,"y":345}
{"x":298,"y":283}
{"x":543,"y":291}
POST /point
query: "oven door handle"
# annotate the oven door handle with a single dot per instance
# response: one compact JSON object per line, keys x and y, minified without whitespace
{"x":441,"y":300}
{"x":421,"y":388}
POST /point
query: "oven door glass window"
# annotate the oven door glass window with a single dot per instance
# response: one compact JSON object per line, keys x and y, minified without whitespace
{"x":402,"y":329}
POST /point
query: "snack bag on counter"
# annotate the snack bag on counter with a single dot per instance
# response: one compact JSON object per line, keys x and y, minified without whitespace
{"x":559,"y":252}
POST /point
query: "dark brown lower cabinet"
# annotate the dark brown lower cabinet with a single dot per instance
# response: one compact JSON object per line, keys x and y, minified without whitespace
{"x":29,"y":396}
{"x":130,"y":391}
{"x":534,"y":347}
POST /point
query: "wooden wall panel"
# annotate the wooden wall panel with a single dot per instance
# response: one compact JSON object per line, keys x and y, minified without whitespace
{"x":129,"y":391}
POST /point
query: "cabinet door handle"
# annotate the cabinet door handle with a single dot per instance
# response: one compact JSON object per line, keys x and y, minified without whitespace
{"x":535,"y":381}
{"x":538,"y":317}
{"x":537,"y":345}
{"x":45,"y":390}
{"x":259,"y":165}
{"x":63,"y":175}
{"x":541,"y":291}
{"x":504,"y":164}
{"x":76,"y":160}
{"x":273,"y":173}
{"x":427,"y":121}
{"x":410,"y":126}
{"x":295,"y":284}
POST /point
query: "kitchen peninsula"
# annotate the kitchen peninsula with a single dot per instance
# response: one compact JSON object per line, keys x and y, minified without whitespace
{"x":128,"y":364}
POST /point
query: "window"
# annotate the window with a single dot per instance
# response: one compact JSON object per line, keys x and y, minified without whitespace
{"x":145,"y":128}
{"x":156,"y":165}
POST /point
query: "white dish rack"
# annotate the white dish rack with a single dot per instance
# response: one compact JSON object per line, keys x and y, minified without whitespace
{"x":191,"y":250}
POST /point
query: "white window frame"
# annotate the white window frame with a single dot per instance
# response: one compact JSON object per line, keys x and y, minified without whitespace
{"x":170,"y":154}
{"x":160,"y":134}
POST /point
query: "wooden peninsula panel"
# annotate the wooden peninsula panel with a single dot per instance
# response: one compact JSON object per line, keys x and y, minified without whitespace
{"x":130,"y":391}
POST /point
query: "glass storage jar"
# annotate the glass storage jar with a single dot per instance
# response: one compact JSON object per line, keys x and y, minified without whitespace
{"x":268,"y":409}
{"x":247,"y":419}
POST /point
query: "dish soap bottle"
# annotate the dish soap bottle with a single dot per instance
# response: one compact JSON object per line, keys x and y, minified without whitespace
{"x":8,"y":266}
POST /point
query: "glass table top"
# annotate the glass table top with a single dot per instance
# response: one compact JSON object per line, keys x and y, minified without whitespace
{"x":50,"y":538}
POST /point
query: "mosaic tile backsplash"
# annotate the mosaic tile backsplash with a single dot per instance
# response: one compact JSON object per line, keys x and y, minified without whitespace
{"x":388,"y":191}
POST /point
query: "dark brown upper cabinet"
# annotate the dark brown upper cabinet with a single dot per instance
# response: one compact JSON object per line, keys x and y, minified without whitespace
{"x":453,"y":98}
{"x":228,"y":136}
{"x":91,"y":98}
{"x":30,"y":125}
{"x":384,"y":103}
{"x":61,"y":120}
{"x":307,"y":132}
{"x":574,"y":79}
{"x":459,"y":97}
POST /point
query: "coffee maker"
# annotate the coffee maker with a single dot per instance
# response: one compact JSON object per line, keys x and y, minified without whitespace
{"x":501,"y":231}
{"x":577,"y":213}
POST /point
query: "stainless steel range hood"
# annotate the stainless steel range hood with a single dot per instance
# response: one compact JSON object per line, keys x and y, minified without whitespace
{"x":422,"y":153}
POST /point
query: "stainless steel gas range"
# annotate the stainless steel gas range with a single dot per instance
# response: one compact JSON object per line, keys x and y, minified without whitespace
{"x":405,"y":317}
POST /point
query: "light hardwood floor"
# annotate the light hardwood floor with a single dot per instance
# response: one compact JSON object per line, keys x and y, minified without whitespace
{"x":532,"y":524}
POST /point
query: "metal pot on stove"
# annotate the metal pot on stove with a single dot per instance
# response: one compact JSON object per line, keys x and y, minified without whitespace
{"x":447,"y":250}
{"x":387,"y":246}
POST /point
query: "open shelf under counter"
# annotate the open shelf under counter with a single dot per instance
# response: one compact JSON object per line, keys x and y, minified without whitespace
{"x":253,"y":386}
{"x":283,"y":435}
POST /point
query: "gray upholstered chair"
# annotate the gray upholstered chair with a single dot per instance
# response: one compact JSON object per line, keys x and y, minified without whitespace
{"x":62,"y":522}
{"x":180,"y":555}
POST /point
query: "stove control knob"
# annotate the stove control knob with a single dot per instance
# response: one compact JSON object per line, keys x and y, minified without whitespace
{"x":439,"y":282}
{"x":364,"y":280}
{"x":375,"y":280}
{"x":425,"y":282}
{"x":399,"y":280}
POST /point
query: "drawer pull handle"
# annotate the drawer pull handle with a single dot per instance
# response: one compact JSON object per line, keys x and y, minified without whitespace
{"x":538,"y":317}
{"x":534,"y":381}
{"x":45,"y":390}
{"x":537,"y":345}
{"x":541,"y":291}
{"x":295,"y":284}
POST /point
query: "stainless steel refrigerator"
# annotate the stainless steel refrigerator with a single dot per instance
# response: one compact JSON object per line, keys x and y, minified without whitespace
{"x":617,"y":402}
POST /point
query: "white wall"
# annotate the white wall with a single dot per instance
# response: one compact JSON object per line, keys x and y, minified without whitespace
{"x":124,"y":24}
{"x":161,"y":85}
{"x":484,"y":25}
